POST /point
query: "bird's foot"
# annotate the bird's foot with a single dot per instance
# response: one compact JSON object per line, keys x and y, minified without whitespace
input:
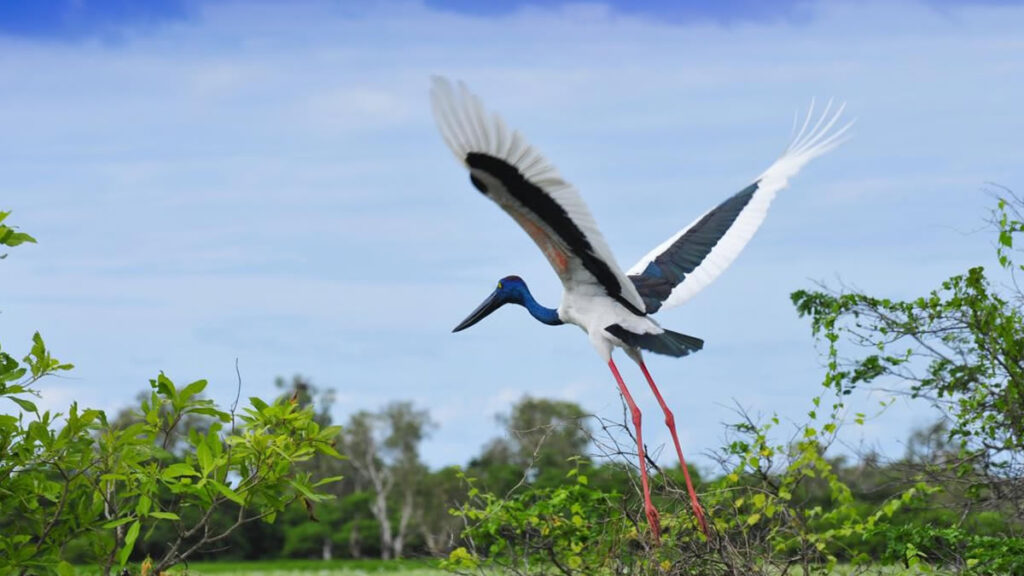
{"x":654,"y":521}
{"x":701,"y":520}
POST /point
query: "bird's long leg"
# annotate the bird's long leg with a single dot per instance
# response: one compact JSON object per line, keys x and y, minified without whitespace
{"x":649,"y":509}
{"x":670,"y":421}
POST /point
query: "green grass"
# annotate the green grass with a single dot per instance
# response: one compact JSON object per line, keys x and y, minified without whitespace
{"x":372,"y":567}
{"x":314,"y":568}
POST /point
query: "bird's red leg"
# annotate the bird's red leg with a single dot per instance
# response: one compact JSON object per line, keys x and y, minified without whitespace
{"x":649,"y":509}
{"x":670,"y":421}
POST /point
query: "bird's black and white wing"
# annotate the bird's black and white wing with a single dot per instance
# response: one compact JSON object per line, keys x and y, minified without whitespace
{"x":506,"y":169}
{"x":691,"y":259}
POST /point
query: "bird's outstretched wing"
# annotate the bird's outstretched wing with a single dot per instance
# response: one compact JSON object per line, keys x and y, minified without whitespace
{"x":506,"y":169}
{"x":691,"y":259}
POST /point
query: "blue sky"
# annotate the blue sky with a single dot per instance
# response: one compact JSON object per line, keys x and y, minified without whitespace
{"x":76,"y":19}
{"x":264,"y":181}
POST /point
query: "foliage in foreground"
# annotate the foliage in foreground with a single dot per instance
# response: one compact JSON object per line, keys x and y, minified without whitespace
{"x":779,"y":507}
{"x":961,"y":348}
{"x":76,"y":481}
{"x":72,"y":480}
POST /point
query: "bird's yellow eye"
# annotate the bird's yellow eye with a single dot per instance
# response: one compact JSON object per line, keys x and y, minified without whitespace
{"x":499,"y":285}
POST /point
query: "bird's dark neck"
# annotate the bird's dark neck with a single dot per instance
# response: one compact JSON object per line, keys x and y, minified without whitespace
{"x":546,"y":315}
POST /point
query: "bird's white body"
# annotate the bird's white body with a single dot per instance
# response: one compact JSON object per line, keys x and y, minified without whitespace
{"x":593,"y":311}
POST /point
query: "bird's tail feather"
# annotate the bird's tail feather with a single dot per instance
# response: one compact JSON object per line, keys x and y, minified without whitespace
{"x":668,"y":342}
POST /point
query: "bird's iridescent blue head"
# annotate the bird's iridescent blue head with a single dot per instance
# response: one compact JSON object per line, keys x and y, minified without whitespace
{"x":511,"y":289}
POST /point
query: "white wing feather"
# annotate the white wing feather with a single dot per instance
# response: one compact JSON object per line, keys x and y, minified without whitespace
{"x":806,"y":146}
{"x":467,"y":127}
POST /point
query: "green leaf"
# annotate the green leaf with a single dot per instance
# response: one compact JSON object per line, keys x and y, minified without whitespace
{"x":213,"y":412}
{"x":460,"y":558}
{"x":228,"y":493}
{"x":325,"y":448}
{"x":117,"y":522}
{"x":129,"y":542}
{"x":25,"y":404}
{"x":205,"y":458}
{"x":758,"y":500}
{"x":193,"y":389}
{"x":177,"y":470}
{"x":16,"y":238}
{"x":143,"y":505}
{"x":165,"y":386}
{"x":164,"y":515}
{"x":328,"y":480}
{"x":9,"y":236}
{"x":303,"y":489}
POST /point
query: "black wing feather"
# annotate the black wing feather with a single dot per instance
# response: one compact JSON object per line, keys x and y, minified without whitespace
{"x":540,"y":203}
{"x":670,"y":268}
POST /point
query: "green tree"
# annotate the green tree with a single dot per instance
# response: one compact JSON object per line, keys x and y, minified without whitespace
{"x":383,"y":452}
{"x":961,"y":348}
{"x":440,"y":492}
{"x":542,"y":436}
{"x":319,"y":527}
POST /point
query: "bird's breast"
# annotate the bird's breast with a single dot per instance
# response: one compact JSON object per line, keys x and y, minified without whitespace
{"x":595,"y":312}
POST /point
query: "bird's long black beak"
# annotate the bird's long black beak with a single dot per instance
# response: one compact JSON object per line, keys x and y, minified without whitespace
{"x":492,"y":303}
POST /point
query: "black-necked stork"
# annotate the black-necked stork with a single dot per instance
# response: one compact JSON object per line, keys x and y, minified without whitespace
{"x":613,"y":308}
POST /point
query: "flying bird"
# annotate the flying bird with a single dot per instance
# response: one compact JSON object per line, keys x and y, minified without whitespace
{"x":613,"y":308}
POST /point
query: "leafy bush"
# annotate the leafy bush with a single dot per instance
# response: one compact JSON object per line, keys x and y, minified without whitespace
{"x":961,"y":347}
{"x":778,"y":505}
{"x":74,"y":483}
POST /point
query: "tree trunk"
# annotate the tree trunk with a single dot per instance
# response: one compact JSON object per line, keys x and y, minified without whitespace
{"x":403,"y":523}
{"x":354,"y":548}
{"x":328,"y":548}
{"x":380,"y":511}
{"x":432,"y":541}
